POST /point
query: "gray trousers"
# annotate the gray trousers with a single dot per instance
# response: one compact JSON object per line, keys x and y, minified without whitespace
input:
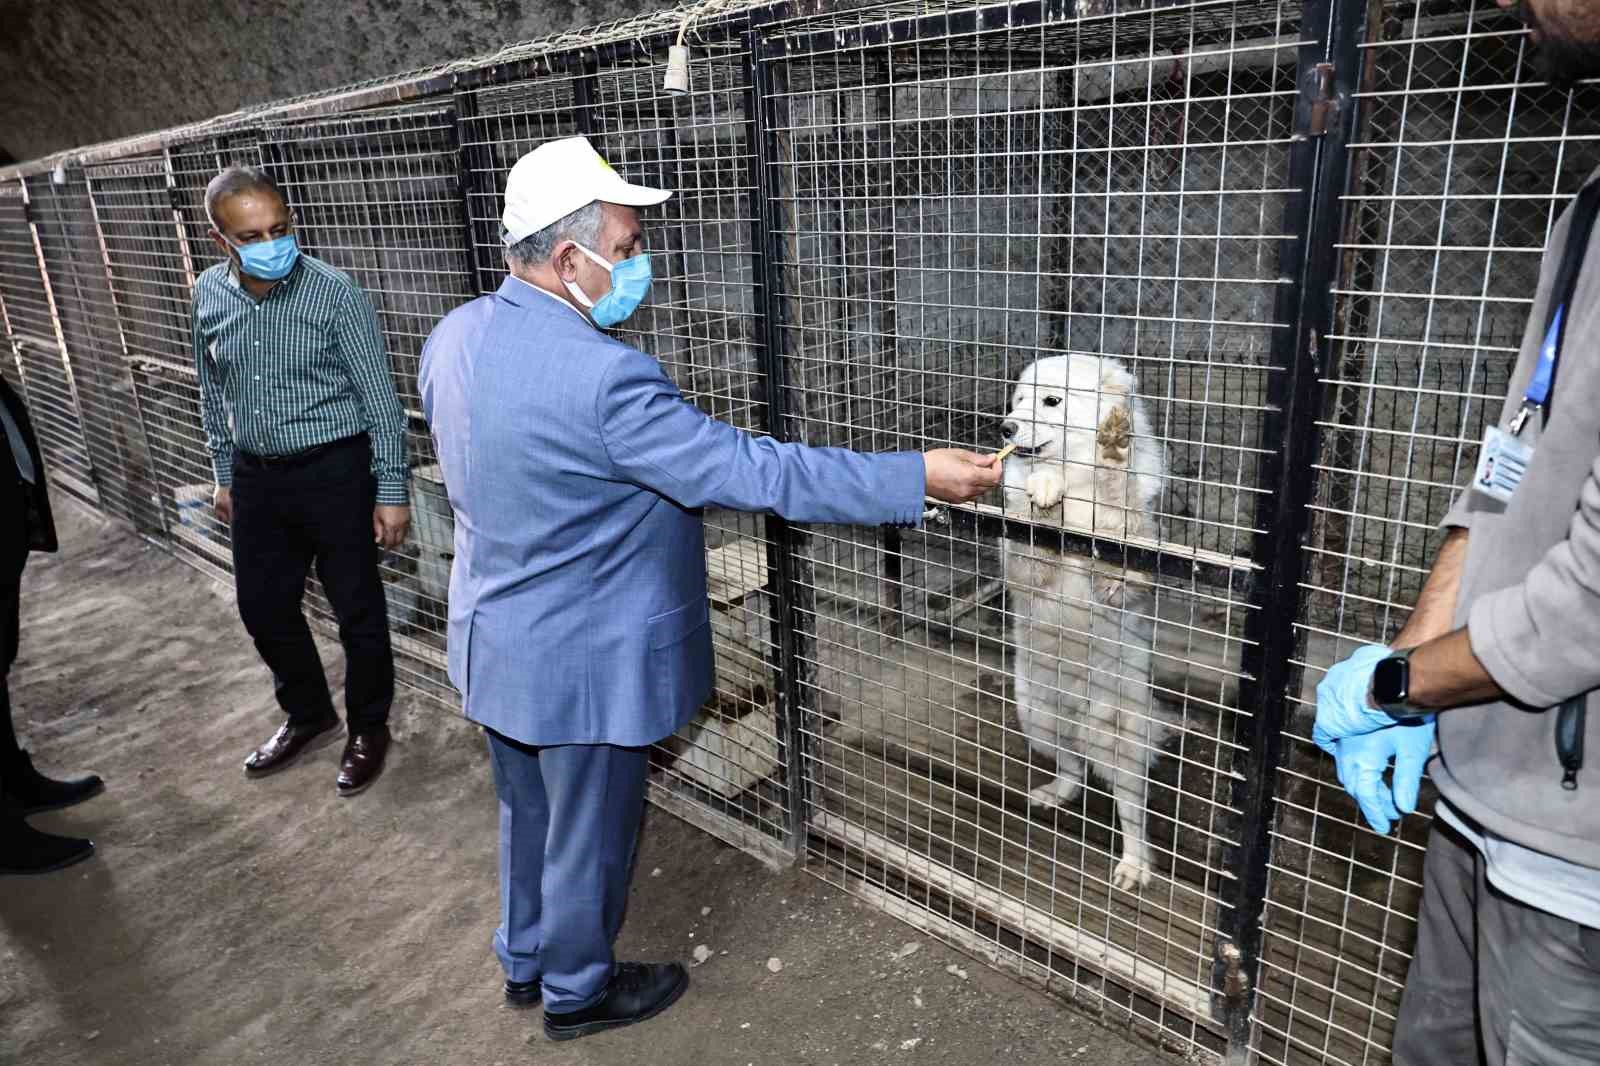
{"x":1494,"y":981}
{"x":569,"y":820}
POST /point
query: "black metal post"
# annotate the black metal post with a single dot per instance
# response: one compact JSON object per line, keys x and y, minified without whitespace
{"x":792,"y":618}
{"x":583,"y":96}
{"x":474,"y":170}
{"x":1327,"y":70}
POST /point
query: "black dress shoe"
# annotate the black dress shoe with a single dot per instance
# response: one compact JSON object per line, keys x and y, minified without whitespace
{"x":523,"y":994}
{"x":638,"y":991}
{"x":32,"y":792}
{"x":288,"y":743}
{"x":363,"y":759}
{"x":25,"y":850}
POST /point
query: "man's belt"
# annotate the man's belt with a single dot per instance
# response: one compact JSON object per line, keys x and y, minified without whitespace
{"x":252,"y":461}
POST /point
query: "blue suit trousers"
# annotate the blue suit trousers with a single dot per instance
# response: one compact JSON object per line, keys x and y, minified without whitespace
{"x":569,"y":822}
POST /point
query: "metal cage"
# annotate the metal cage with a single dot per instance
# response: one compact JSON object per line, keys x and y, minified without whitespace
{"x":1280,"y":255}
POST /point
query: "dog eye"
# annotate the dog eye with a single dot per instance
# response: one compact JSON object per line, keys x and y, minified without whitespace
{"x":1052,"y":401}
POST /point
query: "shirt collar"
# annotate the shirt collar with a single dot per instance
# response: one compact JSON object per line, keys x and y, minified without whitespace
{"x":547,"y":295}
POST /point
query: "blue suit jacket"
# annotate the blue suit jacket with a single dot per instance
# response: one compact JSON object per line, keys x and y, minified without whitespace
{"x":578,"y":606}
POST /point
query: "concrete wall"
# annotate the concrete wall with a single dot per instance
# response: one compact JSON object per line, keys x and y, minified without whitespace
{"x":93,"y":70}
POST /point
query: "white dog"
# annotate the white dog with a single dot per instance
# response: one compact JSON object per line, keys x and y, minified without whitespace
{"x":1083,"y":629}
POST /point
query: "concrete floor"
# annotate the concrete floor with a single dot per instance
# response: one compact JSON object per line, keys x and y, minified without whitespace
{"x":228,"y":921}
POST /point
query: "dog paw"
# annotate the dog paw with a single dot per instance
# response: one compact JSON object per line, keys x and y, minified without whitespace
{"x":1044,"y":796}
{"x":1115,"y":435}
{"x":1045,"y":488}
{"x":1130,"y":875}
{"x":1053,"y":795}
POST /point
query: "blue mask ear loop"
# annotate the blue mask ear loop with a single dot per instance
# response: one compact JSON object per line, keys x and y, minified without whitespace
{"x":572,"y":286}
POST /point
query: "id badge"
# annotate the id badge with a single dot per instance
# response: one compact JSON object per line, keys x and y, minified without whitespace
{"x":1502,"y":462}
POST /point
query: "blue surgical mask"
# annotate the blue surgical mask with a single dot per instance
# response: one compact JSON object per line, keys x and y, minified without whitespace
{"x":268,"y":260}
{"x":630,"y":284}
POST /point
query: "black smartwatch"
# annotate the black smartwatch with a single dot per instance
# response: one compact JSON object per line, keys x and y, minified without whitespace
{"x":1391,"y":685}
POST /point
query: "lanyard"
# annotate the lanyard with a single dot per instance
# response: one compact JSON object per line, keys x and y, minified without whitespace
{"x":1537,"y":396}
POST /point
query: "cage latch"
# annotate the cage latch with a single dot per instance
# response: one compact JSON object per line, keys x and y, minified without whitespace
{"x":1325,"y":102}
{"x":1231,"y":983}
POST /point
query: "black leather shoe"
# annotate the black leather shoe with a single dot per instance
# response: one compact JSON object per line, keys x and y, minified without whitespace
{"x":25,"y":850}
{"x":288,"y":744}
{"x":523,"y":994}
{"x":638,"y":991}
{"x":362,"y":761}
{"x":32,"y":792}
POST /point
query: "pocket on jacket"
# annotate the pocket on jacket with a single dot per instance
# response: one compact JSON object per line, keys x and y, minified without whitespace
{"x":678,"y":625}
{"x":681,"y":657}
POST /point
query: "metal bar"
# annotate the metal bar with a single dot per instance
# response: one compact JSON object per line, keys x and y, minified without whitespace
{"x":790,"y":623}
{"x":1357,"y":269}
{"x":941,"y":27}
{"x":1319,"y":168}
{"x":470,"y":162}
{"x":177,"y":219}
{"x":70,"y":267}
{"x":583,"y":88}
{"x":1173,"y":562}
{"x":61,"y":337}
{"x":122,"y":341}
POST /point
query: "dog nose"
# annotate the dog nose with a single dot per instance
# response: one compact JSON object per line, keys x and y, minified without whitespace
{"x":1008,"y":429}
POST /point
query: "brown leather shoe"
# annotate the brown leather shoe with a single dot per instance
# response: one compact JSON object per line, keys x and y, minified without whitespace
{"x":288,"y":743}
{"x":363,"y":759}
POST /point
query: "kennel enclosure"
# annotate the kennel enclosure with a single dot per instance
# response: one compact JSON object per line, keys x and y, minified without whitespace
{"x":1309,"y":230}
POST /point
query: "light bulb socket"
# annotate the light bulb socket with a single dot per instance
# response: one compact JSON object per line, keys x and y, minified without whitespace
{"x":677,"y":80}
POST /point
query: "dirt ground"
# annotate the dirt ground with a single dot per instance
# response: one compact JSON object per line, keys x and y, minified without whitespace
{"x":232,"y":921}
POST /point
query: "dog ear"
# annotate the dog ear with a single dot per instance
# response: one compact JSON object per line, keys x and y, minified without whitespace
{"x":1114,"y":435}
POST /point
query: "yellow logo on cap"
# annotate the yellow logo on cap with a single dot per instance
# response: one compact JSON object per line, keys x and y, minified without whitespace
{"x":604,"y":165}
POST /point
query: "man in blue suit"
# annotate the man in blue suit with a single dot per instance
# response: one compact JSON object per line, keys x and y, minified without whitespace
{"x":579,"y":621}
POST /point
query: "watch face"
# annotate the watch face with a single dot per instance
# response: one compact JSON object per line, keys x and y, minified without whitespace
{"x":1389,"y":681}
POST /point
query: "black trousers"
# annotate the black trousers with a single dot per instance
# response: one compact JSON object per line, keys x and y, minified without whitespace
{"x":288,"y":516}
{"x":12,"y":560}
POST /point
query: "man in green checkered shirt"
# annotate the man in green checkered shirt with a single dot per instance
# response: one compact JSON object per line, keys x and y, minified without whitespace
{"x":307,"y":439}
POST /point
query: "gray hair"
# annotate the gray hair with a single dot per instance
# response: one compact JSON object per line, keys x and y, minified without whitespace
{"x":235,"y":180}
{"x":582,"y":225}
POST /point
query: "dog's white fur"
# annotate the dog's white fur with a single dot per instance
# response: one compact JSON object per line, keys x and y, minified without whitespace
{"x":1086,"y":458}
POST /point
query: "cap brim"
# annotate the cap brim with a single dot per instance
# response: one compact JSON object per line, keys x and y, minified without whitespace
{"x":629,"y":195}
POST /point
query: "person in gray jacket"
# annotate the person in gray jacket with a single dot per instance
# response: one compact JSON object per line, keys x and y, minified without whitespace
{"x":1499,"y":664}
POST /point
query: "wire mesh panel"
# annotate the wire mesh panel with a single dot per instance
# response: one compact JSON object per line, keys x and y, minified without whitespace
{"x":13,"y":263}
{"x":966,"y":196}
{"x":377,"y":195}
{"x":151,"y":272}
{"x":36,"y":344}
{"x":193,"y":164}
{"x":1045,"y":727}
{"x":1461,"y":161}
{"x":701,"y":323}
{"x":113,"y":431}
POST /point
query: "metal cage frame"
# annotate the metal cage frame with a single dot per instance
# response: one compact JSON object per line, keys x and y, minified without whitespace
{"x":886,"y":208}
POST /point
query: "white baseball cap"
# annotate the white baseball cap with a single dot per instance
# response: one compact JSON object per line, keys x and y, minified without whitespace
{"x":557,"y":178}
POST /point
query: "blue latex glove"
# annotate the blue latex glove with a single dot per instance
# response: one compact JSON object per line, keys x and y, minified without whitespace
{"x":1342,"y":709}
{"x":1362,"y":759}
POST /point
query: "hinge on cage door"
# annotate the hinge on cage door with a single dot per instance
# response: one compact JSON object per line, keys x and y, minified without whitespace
{"x":1324,"y":101}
